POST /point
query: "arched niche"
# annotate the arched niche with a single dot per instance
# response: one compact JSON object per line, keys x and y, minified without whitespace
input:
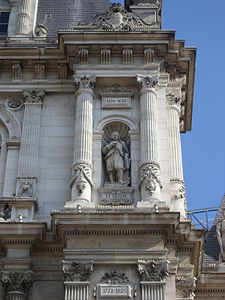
{"x":11,"y":124}
{"x":115,"y":118}
{"x":116,"y":159}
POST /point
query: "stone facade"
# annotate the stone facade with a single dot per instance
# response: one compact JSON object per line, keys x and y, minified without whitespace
{"x":92,"y":196}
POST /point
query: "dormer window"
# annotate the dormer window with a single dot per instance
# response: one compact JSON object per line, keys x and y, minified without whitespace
{"x":4,"y":17}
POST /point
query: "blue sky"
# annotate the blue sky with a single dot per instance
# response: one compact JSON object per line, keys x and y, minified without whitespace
{"x":202,"y":24}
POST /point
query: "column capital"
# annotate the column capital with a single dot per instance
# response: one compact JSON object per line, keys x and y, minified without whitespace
{"x":75,"y":271}
{"x":85,"y":83}
{"x":147,"y":82}
{"x":17,"y":281}
{"x":173,"y":100}
{"x":153,"y":270}
{"x":33,"y":96}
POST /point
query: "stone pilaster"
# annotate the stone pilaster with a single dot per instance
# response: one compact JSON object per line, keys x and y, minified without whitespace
{"x":149,"y":167}
{"x":81,"y":183}
{"x":176,"y":168}
{"x":23,"y":17}
{"x":77,"y":280}
{"x":153,"y":276}
{"x":28,"y":158}
{"x":16,"y":284}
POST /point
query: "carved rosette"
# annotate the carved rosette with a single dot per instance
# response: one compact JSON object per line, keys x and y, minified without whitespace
{"x":150,"y":178}
{"x":77,"y":272}
{"x":147,"y":82}
{"x":86,"y":83}
{"x":14,"y":103}
{"x":153,"y":270}
{"x":81,"y":177}
{"x":34,"y":97}
{"x":17,"y":281}
{"x":185,"y":287}
{"x":26,"y":187}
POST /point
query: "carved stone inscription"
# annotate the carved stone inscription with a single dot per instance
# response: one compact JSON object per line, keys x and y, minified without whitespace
{"x":116,"y":196}
{"x":116,"y":102}
{"x":114,"y":291}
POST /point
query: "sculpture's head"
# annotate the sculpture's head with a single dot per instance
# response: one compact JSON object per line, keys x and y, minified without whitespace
{"x":115,"y":136}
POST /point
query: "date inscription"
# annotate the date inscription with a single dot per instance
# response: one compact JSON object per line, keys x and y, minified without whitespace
{"x":110,"y":291}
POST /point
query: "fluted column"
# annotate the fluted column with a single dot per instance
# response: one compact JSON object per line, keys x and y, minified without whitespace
{"x":81,"y":183}
{"x":23,"y":17}
{"x":176,"y":167}
{"x":150,"y":183}
{"x":28,"y":158}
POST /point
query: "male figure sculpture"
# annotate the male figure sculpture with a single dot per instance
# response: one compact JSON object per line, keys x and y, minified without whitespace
{"x":116,"y":157}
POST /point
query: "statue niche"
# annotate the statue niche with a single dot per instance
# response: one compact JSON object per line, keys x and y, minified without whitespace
{"x":116,"y":154}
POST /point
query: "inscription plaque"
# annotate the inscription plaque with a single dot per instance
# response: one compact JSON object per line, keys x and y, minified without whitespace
{"x":111,"y":291}
{"x":116,"y":195}
{"x":116,"y":102}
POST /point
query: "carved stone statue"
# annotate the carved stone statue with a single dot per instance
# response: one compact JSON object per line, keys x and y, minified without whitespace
{"x":220,"y":230}
{"x":117,"y":158}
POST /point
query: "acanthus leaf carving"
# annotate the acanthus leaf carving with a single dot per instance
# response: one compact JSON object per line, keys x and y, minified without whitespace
{"x":150,"y":177}
{"x":17,"y":281}
{"x":174,"y":100}
{"x":117,"y":19}
{"x":84,"y":82}
{"x":115,"y":277}
{"x":147,"y":82}
{"x":76,"y":271}
{"x":153,"y":270}
{"x":185,"y":287}
{"x":34,"y":96}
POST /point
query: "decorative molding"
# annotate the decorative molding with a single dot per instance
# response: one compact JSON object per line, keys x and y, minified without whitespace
{"x":84,"y":82}
{"x":128,"y":56}
{"x":81,"y":176}
{"x":11,"y":123}
{"x":75,"y":271}
{"x":117,"y":19}
{"x":17,"y":281}
{"x":41,"y":31}
{"x":149,"y":56}
{"x":147,"y":82}
{"x":150,"y":177}
{"x":153,"y":270}
{"x":14,"y":103}
{"x":115,"y":277}
{"x":62,"y":70}
{"x":83,"y":56}
{"x":185,"y":287}
{"x":34,"y":97}
{"x":105,"y":56}
{"x":17,"y":71}
{"x":39,"y":71}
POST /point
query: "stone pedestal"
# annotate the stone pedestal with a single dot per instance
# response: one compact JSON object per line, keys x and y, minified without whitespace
{"x":81,"y":183}
{"x":150,"y":182}
{"x":176,"y":169}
